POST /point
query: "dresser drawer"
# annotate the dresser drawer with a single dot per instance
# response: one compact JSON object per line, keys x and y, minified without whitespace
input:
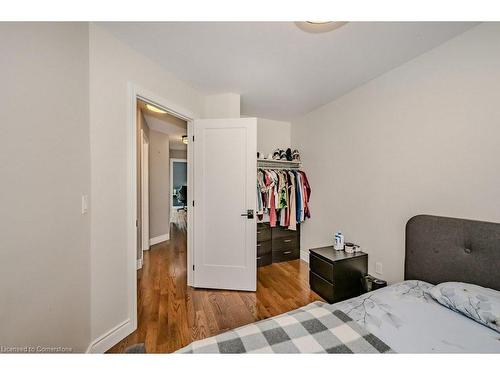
{"x":263,"y":232}
{"x":321,"y":267}
{"x":285,"y":243}
{"x":322,"y":287}
{"x":264,"y":260}
{"x":285,"y":255}
{"x":279,"y":231}
{"x":264,"y":247}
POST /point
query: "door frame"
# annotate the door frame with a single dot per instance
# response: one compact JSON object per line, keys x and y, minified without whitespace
{"x":136,"y":92}
{"x":144,"y":193}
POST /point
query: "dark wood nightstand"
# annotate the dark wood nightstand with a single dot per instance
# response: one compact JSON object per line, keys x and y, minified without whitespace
{"x":336,"y":275}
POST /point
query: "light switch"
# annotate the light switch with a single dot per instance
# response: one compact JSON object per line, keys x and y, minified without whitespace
{"x":85,"y":204}
{"x":378,"y":268}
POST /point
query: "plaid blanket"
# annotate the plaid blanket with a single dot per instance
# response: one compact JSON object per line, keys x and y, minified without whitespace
{"x":310,"y":329}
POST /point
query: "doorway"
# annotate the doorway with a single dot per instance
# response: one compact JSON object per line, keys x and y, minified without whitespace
{"x":178,"y":192}
{"x":162,"y":148}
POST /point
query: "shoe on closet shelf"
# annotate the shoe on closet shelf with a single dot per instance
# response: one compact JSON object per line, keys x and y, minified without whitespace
{"x":283,"y":155}
{"x":289,"y":154}
{"x":296,"y":155}
{"x":277,"y":154}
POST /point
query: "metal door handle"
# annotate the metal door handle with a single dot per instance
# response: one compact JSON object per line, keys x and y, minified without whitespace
{"x":258,"y":245}
{"x":287,"y":252}
{"x":248,"y":214}
{"x":287,"y":241}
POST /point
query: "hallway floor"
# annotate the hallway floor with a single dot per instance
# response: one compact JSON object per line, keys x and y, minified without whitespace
{"x":171,"y":315}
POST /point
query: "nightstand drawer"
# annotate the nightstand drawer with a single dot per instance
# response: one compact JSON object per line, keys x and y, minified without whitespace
{"x":285,"y":255}
{"x":264,"y":260}
{"x":321,"y":286}
{"x":264,"y":247}
{"x":321,"y":267}
{"x":263,"y":232}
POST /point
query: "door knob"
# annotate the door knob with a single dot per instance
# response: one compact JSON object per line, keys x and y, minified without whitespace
{"x":248,"y":214}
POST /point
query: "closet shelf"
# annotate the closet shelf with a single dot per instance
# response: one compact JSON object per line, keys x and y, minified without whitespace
{"x":278,"y":164}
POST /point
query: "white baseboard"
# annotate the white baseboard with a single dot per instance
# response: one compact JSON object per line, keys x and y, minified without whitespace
{"x":304,"y":255}
{"x":111,"y":338}
{"x":162,"y":238}
{"x":139,"y":264}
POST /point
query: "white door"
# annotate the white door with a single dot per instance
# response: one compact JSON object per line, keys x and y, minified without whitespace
{"x":225,"y":169}
{"x":145,"y":192}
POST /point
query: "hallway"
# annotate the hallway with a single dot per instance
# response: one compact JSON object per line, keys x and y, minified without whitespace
{"x":171,"y":315}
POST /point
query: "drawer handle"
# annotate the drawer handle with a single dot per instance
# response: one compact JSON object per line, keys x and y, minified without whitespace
{"x":258,"y":245}
{"x":258,"y":258}
{"x":287,"y":252}
{"x":287,"y":241}
{"x":258,"y":232}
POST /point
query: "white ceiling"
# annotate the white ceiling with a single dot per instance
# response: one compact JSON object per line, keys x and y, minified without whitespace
{"x":281,"y":71}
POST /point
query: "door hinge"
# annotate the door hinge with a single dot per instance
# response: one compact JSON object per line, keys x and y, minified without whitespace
{"x":193,"y":267}
{"x":136,"y":223}
{"x":193,"y":138}
{"x":193,"y":203}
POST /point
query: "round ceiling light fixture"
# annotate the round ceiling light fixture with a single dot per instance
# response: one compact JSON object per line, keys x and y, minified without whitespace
{"x":317,"y":27}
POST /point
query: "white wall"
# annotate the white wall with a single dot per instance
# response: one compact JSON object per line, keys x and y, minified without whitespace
{"x":159,"y":185}
{"x":112,"y":66}
{"x":225,"y":105}
{"x":423,"y":138}
{"x":45,"y":169}
{"x":271,"y":135}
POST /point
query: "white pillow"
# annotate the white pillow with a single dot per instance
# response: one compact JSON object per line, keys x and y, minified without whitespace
{"x":473,"y":301}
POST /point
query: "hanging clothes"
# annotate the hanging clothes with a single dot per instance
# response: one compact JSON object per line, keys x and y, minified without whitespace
{"x":283,"y":195}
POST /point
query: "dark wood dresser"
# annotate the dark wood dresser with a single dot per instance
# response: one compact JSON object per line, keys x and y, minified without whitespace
{"x":336,"y":275}
{"x":276,"y":244}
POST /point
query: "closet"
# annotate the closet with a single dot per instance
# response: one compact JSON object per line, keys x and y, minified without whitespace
{"x":283,"y":196}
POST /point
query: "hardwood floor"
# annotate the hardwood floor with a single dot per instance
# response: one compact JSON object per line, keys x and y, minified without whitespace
{"x":171,"y":315}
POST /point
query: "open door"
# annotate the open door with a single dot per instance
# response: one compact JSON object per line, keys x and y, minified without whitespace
{"x":225,"y":169}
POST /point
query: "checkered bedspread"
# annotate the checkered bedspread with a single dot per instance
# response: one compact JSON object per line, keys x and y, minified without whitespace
{"x":310,"y":329}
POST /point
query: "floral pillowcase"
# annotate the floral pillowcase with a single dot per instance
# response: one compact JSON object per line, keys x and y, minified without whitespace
{"x":473,"y":301}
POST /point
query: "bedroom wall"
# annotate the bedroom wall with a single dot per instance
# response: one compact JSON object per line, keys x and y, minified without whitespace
{"x":112,"y":66}
{"x":45,"y":164}
{"x":272,"y":134}
{"x":423,"y":138}
{"x":225,"y":105}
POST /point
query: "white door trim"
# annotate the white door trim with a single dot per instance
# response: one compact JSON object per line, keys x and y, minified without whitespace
{"x":135,"y":92}
{"x":144,"y":192}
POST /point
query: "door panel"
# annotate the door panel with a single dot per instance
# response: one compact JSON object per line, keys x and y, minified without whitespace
{"x":224,"y":188}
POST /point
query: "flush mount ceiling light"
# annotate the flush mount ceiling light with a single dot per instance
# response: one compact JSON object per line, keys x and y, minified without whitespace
{"x":152,"y":108}
{"x":317,"y":27}
{"x":185,"y":139}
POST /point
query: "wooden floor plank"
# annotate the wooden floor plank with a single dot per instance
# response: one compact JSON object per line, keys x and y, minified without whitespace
{"x":171,"y":315}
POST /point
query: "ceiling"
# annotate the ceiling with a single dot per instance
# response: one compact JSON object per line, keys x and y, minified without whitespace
{"x":166,"y":123}
{"x":281,"y":71}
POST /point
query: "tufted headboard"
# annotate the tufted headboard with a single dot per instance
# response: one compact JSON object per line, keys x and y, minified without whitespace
{"x":440,"y":249}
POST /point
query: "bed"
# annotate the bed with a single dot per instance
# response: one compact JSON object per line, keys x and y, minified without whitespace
{"x":400,"y":318}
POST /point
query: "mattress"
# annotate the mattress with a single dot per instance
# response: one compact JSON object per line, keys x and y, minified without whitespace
{"x":407,"y":319}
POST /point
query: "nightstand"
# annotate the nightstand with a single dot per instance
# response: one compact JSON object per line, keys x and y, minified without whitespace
{"x":336,"y":275}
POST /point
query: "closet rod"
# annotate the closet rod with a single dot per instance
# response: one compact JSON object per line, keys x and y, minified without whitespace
{"x":286,"y":168}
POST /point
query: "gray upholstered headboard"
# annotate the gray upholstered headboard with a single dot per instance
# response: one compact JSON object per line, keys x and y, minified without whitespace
{"x":440,"y":249}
